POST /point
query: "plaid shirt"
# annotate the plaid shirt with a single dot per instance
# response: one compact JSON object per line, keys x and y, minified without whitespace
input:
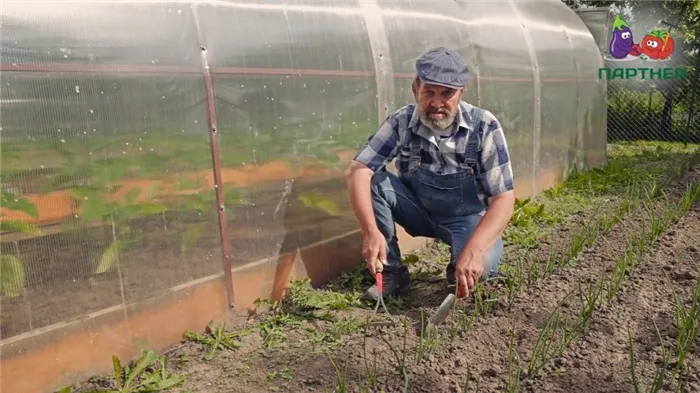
{"x":494,"y":174}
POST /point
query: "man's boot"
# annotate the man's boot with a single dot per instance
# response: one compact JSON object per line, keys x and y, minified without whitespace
{"x":451,"y":274}
{"x":395,"y":281}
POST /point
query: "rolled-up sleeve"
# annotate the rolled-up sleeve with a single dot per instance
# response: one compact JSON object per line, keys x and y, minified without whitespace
{"x":496,"y":175}
{"x":381,"y":147}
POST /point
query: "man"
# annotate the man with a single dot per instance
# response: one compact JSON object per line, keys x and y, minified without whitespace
{"x":454,"y":184}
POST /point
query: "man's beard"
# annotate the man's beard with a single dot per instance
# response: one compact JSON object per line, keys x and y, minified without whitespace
{"x":438,"y":125}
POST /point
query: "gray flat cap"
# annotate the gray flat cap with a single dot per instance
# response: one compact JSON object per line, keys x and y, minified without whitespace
{"x":442,"y":66}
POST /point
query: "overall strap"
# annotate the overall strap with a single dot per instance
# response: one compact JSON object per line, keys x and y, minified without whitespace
{"x":474,"y":142}
{"x":478,"y":117}
{"x":415,"y":144}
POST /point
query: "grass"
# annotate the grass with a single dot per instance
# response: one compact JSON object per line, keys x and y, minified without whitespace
{"x":591,"y":204}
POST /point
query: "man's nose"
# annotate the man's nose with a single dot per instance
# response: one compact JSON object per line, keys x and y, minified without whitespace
{"x":437,"y":104}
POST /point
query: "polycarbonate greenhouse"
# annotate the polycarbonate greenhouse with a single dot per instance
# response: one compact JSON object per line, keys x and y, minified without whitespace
{"x":166,"y":164}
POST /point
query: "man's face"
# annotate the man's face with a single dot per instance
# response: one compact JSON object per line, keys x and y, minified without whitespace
{"x":437,"y":105}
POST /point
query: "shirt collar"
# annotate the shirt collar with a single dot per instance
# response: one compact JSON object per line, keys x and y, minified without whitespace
{"x":464,"y":118}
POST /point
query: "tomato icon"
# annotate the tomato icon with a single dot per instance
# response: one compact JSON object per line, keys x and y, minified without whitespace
{"x":658,"y":44}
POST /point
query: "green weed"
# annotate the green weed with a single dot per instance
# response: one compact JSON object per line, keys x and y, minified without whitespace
{"x":148,"y":374}
{"x":215,"y":338}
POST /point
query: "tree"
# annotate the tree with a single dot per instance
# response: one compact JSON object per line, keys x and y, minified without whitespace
{"x":682,"y":19}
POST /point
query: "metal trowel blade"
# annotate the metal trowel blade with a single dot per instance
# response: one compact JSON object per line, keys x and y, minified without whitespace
{"x":442,"y":311}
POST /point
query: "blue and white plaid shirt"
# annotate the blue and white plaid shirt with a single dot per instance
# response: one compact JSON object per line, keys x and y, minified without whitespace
{"x":495,"y":174}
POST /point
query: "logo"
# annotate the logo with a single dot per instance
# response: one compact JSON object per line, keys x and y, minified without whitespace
{"x":654,"y":49}
{"x":657,"y":45}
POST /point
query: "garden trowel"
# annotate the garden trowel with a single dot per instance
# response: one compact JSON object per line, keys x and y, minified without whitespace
{"x":441,"y":313}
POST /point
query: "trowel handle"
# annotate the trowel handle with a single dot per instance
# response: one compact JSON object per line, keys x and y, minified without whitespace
{"x":378,"y":266}
{"x":380,"y":284}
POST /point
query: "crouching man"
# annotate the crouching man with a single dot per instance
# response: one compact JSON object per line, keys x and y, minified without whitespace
{"x":454,"y":179}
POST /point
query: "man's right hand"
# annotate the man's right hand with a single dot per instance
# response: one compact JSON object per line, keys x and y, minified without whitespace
{"x":374,"y":250}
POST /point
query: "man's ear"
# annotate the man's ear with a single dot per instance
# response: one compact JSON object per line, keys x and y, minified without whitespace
{"x":414,"y":87}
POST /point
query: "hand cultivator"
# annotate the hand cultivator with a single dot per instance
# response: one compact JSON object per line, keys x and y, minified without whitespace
{"x":380,"y":298}
{"x":437,"y":318}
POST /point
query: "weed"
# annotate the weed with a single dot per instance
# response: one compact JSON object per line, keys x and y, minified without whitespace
{"x":302,"y":304}
{"x":142,"y":377}
{"x":215,"y":338}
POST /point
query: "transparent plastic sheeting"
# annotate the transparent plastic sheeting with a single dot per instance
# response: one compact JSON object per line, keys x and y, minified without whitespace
{"x":598,"y":22}
{"x":107,"y":176}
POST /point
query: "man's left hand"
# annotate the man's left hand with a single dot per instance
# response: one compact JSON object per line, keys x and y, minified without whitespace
{"x":468,"y":271}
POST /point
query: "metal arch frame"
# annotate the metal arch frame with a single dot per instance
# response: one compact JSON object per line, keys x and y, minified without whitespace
{"x":537,"y":102}
{"x":216,"y":163}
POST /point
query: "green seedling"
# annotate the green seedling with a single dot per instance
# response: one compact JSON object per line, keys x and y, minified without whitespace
{"x":515,"y":279}
{"x":554,"y":260}
{"x":400,"y":356}
{"x":633,"y":362}
{"x":467,"y":383}
{"x":690,"y":196}
{"x":561,"y":329}
{"x":688,"y":325}
{"x":143,"y":377}
{"x":514,"y":366}
{"x":427,"y":341}
{"x":215,"y":338}
{"x":662,"y":369}
{"x":371,"y":370}
{"x":623,"y":267}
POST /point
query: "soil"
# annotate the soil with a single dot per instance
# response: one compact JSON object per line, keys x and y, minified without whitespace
{"x":480,"y":353}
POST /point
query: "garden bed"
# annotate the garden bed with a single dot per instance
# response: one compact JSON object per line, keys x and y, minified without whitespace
{"x":591,"y":267}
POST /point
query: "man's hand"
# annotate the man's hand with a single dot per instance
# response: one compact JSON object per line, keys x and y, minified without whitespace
{"x":470,"y":264}
{"x":468,"y":271}
{"x":374,"y":250}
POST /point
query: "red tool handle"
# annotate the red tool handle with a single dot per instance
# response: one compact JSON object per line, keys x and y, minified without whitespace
{"x":379,"y":282}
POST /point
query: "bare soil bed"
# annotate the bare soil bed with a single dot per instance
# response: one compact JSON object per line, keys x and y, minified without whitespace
{"x":561,"y":318}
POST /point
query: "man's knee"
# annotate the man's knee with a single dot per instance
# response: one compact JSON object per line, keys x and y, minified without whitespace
{"x":381,"y":183}
{"x":492,"y":259}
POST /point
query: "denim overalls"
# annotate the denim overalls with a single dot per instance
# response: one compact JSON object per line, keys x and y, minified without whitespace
{"x":443,"y":206}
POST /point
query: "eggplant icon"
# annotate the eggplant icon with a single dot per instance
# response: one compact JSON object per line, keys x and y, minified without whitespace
{"x":622,"y":42}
